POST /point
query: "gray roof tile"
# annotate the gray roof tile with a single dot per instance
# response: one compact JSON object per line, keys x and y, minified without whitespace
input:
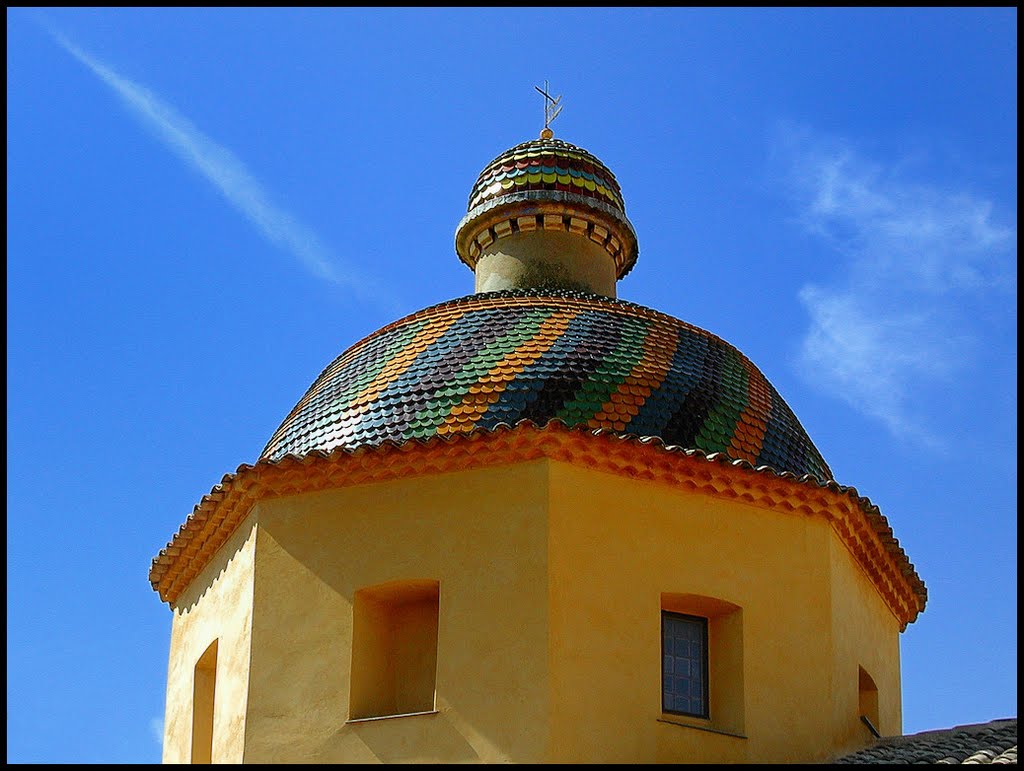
{"x":992,"y":742}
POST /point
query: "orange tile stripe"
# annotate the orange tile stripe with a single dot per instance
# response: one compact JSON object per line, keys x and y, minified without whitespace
{"x":478,"y":400}
{"x":647,"y":374}
{"x":402,"y":361}
{"x":750,"y":428}
{"x":342,"y":361}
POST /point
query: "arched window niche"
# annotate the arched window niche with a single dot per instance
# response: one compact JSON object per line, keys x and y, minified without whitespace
{"x":867,"y":701}
{"x":204,"y":689}
{"x":714,"y":654}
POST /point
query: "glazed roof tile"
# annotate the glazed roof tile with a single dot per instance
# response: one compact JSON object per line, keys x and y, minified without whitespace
{"x":547,"y":164}
{"x":993,"y":742}
{"x":584,"y":359}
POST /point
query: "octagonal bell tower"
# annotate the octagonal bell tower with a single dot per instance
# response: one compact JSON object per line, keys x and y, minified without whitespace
{"x":539,"y":524}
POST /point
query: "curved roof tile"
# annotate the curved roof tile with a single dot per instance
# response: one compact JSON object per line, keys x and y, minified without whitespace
{"x":992,"y":742}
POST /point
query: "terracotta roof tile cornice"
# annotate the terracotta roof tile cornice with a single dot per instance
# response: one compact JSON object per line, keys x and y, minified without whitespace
{"x":859,"y":523}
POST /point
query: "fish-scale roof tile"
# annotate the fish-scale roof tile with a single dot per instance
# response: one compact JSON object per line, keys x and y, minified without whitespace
{"x":540,"y":355}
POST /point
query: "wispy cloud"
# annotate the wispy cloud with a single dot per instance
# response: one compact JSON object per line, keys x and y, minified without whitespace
{"x":912,"y":257}
{"x":227,"y":172}
{"x":156,"y":730}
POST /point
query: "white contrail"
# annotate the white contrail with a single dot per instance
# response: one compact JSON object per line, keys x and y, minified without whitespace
{"x":224,"y":169}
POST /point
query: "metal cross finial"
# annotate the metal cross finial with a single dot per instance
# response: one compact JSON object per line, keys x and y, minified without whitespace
{"x":552,"y":106}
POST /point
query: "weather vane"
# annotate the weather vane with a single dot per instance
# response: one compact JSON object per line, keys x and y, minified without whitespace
{"x":552,"y":106}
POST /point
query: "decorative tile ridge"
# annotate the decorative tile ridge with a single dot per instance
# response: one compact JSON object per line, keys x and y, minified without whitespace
{"x":855,"y":519}
{"x":577,"y":223}
{"x":536,"y":210}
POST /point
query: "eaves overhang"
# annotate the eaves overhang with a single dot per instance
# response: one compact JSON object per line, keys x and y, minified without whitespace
{"x":855,"y":519}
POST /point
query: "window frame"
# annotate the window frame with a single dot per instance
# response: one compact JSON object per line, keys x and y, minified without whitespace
{"x":705,"y":658}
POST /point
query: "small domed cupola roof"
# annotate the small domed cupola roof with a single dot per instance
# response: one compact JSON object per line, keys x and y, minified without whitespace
{"x":550,"y":188}
{"x":547,"y":164}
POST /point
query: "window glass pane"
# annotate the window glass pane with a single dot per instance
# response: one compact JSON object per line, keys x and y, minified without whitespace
{"x":684,"y":644}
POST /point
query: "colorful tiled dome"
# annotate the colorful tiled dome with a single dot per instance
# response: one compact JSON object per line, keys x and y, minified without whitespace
{"x":587,"y":360}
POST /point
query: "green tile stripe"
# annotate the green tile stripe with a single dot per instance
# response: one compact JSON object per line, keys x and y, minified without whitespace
{"x":478,"y":366}
{"x":609,"y":374}
{"x":718,"y":429}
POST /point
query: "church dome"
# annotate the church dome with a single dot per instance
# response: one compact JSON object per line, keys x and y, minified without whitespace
{"x":544,"y":338}
{"x":540,"y":355}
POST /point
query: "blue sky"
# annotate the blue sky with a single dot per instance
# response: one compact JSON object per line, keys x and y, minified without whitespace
{"x":205,"y":207}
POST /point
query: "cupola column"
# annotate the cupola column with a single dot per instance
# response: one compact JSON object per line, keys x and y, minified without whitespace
{"x":545,"y":253}
{"x":547,"y":215}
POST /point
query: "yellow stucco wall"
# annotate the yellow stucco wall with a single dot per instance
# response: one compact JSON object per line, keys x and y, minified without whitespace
{"x":552,"y":578}
{"x":488,"y":553}
{"x":216,"y":606}
{"x":809,"y":616}
{"x":865,"y":636}
{"x":616,"y":546}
